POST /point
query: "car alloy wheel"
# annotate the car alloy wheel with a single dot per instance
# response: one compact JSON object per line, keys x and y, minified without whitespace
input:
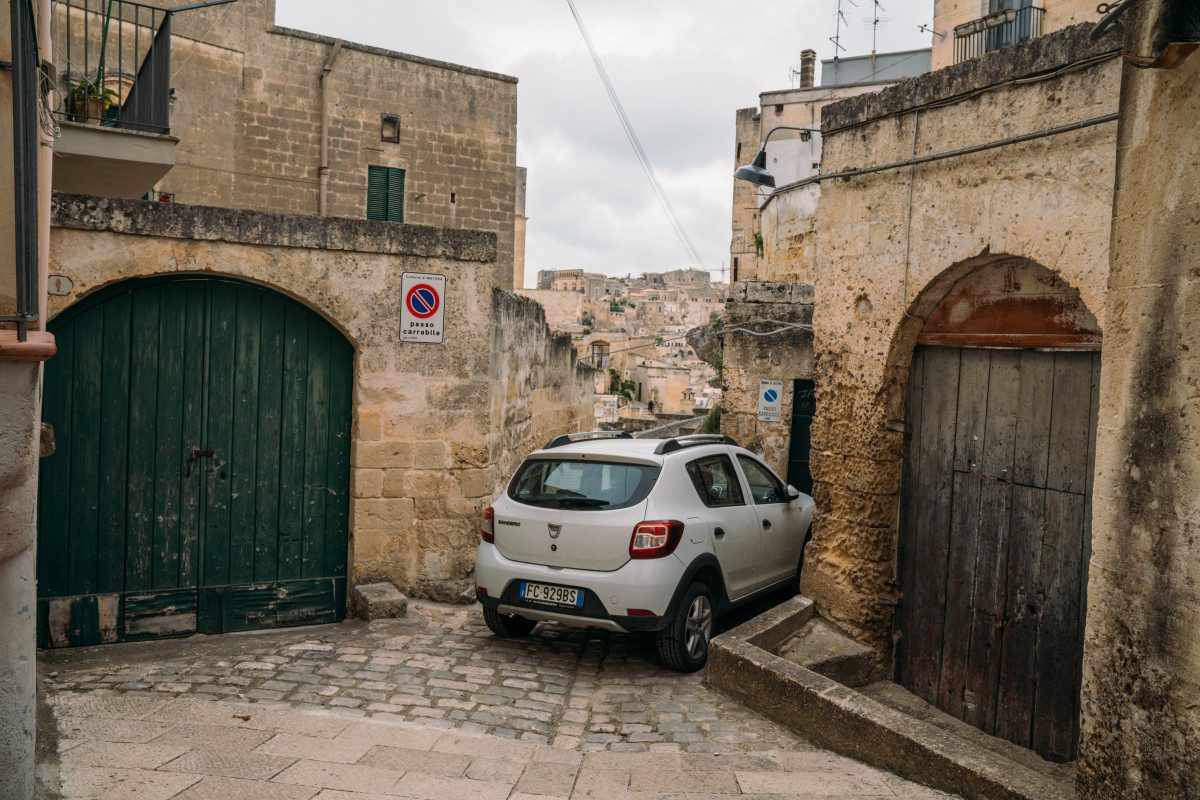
{"x":698,"y":627}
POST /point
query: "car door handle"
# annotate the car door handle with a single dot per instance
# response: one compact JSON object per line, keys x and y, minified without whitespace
{"x":719,"y":532}
{"x":767,"y":524}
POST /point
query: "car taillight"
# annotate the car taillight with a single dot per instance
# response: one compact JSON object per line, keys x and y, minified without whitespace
{"x":655,"y":539}
{"x":489,"y":525}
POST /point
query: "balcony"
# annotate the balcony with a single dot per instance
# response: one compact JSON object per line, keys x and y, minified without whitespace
{"x":113,"y":59}
{"x":996,"y":31}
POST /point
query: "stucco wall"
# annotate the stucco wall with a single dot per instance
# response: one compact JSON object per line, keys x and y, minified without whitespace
{"x":1140,"y":718}
{"x":891,"y":245}
{"x":426,"y":439}
{"x":748,"y":359}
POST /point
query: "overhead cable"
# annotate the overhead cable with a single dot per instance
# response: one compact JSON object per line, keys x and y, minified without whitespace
{"x":639,"y":152}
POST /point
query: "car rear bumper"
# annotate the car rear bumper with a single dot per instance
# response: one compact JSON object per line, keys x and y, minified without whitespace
{"x":643,"y":585}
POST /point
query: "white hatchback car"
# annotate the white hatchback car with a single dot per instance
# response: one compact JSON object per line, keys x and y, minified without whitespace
{"x":643,"y":535}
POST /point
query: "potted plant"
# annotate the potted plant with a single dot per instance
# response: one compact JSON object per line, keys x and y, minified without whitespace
{"x":89,"y":99}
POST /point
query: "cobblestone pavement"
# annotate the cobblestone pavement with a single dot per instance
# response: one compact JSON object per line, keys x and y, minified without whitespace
{"x":429,"y":707}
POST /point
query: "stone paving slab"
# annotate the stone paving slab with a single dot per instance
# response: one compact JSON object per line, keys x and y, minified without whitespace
{"x":569,"y":715}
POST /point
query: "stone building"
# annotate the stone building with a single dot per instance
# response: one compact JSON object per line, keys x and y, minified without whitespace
{"x":1141,"y":679}
{"x":947,"y":312}
{"x":243,"y":434}
{"x":965,"y":29}
{"x":24,"y":347}
{"x":318,"y":451}
{"x":793,"y":155}
{"x":294,"y":122}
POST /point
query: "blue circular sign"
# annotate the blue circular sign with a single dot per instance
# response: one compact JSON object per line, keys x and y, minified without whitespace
{"x":770,"y":395}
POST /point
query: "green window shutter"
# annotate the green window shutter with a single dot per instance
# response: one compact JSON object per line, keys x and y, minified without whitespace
{"x":385,"y":193}
{"x":395,"y":210}
{"x":377,"y":193}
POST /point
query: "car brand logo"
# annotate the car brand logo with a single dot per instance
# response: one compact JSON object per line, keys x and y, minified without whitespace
{"x":554,"y":530}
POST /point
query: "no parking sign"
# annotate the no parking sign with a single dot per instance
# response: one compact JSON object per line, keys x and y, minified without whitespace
{"x":424,"y":307}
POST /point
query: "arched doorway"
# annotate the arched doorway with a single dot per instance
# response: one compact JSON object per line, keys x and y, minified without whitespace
{"x":996,"y":505}
{"x":200,"y":479}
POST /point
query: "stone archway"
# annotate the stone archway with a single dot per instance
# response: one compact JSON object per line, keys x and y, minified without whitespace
{"x":201,"y":479}
{"x":995,"y":511}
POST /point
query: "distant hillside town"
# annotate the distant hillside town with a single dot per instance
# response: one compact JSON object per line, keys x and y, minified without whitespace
{"x":632,"y":330}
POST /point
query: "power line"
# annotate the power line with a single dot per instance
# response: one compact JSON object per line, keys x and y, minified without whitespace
{"x":656,"y":186}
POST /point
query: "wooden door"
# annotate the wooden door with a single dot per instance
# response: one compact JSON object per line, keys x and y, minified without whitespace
{"x":200,"y":479}
{"x":804,"y":407}
{"x":995,"y":539}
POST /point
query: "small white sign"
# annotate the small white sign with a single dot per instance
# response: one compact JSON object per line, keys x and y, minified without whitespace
{"x":423,"y":308}
{"x":770,"y":401}
{"x":59,"y":285}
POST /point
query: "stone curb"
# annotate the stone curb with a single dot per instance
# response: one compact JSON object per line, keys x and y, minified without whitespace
{"x":742,"y":664}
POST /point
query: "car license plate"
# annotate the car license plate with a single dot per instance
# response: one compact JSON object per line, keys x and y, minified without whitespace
{"x":548,"y":593}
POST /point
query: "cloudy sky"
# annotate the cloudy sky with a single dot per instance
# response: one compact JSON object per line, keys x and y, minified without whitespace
{"x":681,"y":68}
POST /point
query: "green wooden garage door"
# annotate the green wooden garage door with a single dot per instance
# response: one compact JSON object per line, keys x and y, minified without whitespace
{"x":201,"y":471}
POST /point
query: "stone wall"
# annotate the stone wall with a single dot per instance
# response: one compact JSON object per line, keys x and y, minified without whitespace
{"x":1141,"y":686}
{"x":892,"y":244}
{"x":785,"y":356}
{"x":427,"y":440}
{"x":247,"y":112}
{"x":540,"y":387}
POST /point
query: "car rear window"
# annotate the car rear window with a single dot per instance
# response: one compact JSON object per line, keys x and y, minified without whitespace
{"x":582,"y":485}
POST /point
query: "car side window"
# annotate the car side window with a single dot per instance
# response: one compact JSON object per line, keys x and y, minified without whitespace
{"x":764,"y":486}
{"x":715,"y":481}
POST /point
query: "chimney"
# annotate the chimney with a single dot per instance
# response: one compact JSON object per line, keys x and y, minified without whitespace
{"x":808,"y":65}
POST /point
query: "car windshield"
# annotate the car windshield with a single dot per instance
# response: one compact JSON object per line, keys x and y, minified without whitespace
{"x":582,"y":485}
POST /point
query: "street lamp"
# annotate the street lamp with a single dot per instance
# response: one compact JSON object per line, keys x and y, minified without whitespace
{"x":756,"y":172}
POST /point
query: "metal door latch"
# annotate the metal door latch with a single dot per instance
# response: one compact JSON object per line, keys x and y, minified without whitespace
{"x":195,"y":454}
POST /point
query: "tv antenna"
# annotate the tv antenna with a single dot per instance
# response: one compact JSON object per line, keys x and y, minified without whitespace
{"x":837,"y":28}
{"x":874,"y":21}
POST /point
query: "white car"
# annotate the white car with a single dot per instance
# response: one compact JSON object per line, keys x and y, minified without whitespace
{"x":605,"y":531}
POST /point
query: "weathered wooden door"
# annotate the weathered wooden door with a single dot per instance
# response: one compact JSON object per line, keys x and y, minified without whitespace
{"x":200,"y":479}
{"x":995,"y":537}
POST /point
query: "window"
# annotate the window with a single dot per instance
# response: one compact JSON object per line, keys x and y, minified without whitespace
{"x":385,"y":193}
{"x":715,"y":481}
{"x":581,"y":485}
{"x":389,"y":128}
{"x":764,"y":486}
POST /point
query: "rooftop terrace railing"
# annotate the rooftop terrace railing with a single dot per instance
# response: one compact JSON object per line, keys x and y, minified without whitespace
{"x":114,"y":60}
{"x":996,"y":31}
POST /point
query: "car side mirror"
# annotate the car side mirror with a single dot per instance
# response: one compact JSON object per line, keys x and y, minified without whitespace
{"x":792,"y":493}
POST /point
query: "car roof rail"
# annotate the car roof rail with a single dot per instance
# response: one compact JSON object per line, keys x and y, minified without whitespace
{"x":584,"y":436}
{"x":691,"y":440}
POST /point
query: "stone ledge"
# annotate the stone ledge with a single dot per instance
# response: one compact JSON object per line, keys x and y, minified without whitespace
{"x":378,"y":601}
{"x":1036,"y":57}
{"x":742,"y":664}
{"x":242,"y":226}
{"x":772,"y":292}
{"x":38,"y":346}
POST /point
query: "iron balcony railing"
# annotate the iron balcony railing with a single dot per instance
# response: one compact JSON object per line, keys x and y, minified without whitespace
{"x":996,"y":31}
{"x":114,"y":60}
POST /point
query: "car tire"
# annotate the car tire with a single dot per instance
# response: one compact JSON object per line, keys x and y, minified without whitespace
{"x":508,"y":626}
{"x":683,"y":644}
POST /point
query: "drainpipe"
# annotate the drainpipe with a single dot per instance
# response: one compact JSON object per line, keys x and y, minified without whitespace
{"x":323,"y":202}
{"x":45,"y":163}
